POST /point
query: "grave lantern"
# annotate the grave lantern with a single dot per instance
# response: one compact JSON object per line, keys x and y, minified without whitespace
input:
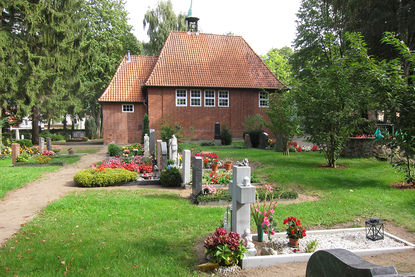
{"x":374,"y":229}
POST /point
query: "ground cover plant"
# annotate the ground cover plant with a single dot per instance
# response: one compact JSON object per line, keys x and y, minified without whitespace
{"x":354,"y":193}
{"x":111,"y":233}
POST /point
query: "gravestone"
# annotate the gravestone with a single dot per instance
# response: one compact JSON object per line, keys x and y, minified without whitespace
{"x":197,"y":171}
{"x":169,"y":149}
{"x":15,"y":152}
{"x":146,"y":146}
{"x":78,"y":134}
{"x":17,"y":134}
{"x":243,"y":194}
{"x":263,"y":140}
{"x":247,"y":141}
{"x":152,"y":142}
{"x":158,"y":154}
{"x":41,"y":145}
{"x":186,"y":167}
{"x":49,"y":144}
{"x":174,"y":148}
{"x":22,"y":137}
{"x":163,"y":155}
{"x":342,"y":263}
{"x":217,"y":131}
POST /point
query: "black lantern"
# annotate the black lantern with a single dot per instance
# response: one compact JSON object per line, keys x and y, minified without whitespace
{"x":374,"y":229}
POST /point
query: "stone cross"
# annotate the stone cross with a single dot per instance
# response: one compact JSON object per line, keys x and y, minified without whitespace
{"x":243,"y":194}
{"x":49,"y":144}
{"x":158,"y":155}
{"x":174,"y":148}
{"x":15,"y":152}
{"x":247,"y":140}
{"x":186,"y":167}
{"x":17,"y":134}
{"x":152,"y":142}
{"x":197,"y":168}
{"x":41,"y":145}
{"x":163,"y":155}
{"x":146,"y":146}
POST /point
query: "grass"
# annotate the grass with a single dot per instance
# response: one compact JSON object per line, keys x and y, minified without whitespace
{"x":116,"y":233}
{"x":353,"y":194}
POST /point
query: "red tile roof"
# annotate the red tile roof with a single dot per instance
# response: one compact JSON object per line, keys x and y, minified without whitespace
{"x":126,"y":85}
{"x":207,"y":60}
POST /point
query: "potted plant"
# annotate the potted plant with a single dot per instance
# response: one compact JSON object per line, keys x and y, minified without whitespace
{"x":214,"y":165}
{"x":70,"y":151}
{"x":294,"y":230}
{"x":227,"y":164}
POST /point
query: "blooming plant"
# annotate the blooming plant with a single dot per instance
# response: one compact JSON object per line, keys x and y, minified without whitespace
{"x":43,"y":159}
{"x":48,"y":153}
{"x":209,"y":189}
{"x":299,"y":149}
{"x":225,"y":249}
{"x":263,"y":213}
{"x":218,"y":178}
{"x":314,"y":148}
{"x":294,"y":228}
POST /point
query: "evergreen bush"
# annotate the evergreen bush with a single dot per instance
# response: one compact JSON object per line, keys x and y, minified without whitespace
{"x":114,"y":150}
{"x":226,"y":136}
{"x":171,"y":177}
{"x":102,"y":177}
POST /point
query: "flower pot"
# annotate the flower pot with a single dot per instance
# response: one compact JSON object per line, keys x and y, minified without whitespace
{"x":228,"y":166}
{"x":260,"y":233}
{"x":214,"y":167}
{"x":293,"y":242}
{"x":70,"y":152}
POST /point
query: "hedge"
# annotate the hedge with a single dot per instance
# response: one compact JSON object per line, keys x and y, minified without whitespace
{"x":95,"y":177}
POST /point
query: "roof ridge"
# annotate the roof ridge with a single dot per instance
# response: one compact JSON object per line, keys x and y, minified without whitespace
{"x":200,"y":33}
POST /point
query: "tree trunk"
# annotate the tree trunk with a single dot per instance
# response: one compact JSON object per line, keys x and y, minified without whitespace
{"x":98,"y":122}
{"x":73,"y":123}
{"x":64,"y":123}
{"x":49,"y":122}
{"x":1,"y":124}
{"x":35,"y":125}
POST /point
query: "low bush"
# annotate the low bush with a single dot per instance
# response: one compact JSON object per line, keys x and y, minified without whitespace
{"x":96,"y":177}
{"x":24,"y":157}
{"x":24,"y":142}
{"x":114,"y":150}
{"x":52,"y":136}
{"x":226,"y":136}
{"x":207,"y":143}
{"x":171,"y":177}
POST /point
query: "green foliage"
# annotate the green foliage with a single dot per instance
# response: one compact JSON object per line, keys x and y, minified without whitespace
{"x":277,"y":61}
{"x":53,"y":136}
{"x":24,"y":142}
{"x":24,"y":157}
{"x":114,"y":150}
{"x":168,"y":130}
{"x":253,"y":123}
{"x":225,"y":136}
{"x":161,"y":21}
{"x":94,"y":177}
{"x":207,"y":143}
{"x":311,"y":246}
{"x":254,"y":137}
{"x":90,"y":127}
{"x":146,"y":127}
{"x":171,"y":177}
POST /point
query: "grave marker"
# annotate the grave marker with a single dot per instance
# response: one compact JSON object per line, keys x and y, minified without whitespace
{"x":158,"y":154}
{"x":163,"y":155}
{"x":17,"y":134}
{"x":197,"y":171}
{"x":174,"y":148}
{"x":186,"y":167}
{"x":247,"y":141}
{"x":146,"y":146}
{"x":152,"y":142}
{"x":41,"y":145}
{"x":15,"y":152}
{"x":49,"y":144}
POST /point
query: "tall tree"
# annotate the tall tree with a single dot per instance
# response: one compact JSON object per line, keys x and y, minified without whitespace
{"x":161,"y":21}
{"x":277,"y":61}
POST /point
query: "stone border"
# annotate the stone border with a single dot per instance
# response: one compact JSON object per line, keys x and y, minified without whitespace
{"x":272,"y":260}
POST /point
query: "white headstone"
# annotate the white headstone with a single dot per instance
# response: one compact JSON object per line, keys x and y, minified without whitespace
{"x":169,"y":148}
{"x":17,"y":134}
{"x":146,"y":146}
{"x":41,"y":145}
{"x":174,"y":148}
{"x":186,"y":166}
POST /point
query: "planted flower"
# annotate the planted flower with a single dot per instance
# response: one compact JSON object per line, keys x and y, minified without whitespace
{"x":294,"y":230}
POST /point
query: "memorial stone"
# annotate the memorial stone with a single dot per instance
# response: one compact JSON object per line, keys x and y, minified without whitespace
{"x":41,"y":145}
{"x":186,"y":166}
{"x":22,"y":137}
{"x":158,"y":156}
{"x":174,"y":148}
{"x":217,"y":130}
{"x":15,"y":152}
{"x":197,"y":171}
{"x":49,"y":144}
{"x":152,"y":142}
{"x":17,"y":134}
{"x":263,"y":140}
{"x":169,"y":149}
{"x":146,"y":146}
{"x":247,"y":140}
{"x":163,"y":155}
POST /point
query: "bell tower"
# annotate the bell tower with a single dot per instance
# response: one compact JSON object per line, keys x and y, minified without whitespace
{"x":191,"y":21}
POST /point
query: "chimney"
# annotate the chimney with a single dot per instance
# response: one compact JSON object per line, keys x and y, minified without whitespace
{"x":128,"y":56}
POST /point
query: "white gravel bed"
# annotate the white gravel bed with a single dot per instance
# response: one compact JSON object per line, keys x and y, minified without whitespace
{"x":347,"y":240}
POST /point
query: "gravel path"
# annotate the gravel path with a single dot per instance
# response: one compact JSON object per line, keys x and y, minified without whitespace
{"x":22,"y":205}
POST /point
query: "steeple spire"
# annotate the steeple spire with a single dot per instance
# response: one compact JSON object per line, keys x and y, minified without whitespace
{"x":191,"y":21}
{"x":189,"y":13}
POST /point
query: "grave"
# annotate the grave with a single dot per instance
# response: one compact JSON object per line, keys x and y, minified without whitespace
{"x":15,"y":152}
{"x":146,"y":146}
{"x":247,"y":141}
{"x":152,"y":142}
{"x":216,"y":137}
{"x":41,"y":145}
{"x":17,"y":137}
{"x":158,"y":154}
{"x":49,"y":144}
{"x":173,"y":150}
{"x":78,"y":134}
{"x":186,"y":167}
{"x":163,"y":155}
{"x":263,"y":140}
{"x":197,"y":170}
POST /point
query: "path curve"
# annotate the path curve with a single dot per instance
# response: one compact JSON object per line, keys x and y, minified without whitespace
{"x":22,"y":205}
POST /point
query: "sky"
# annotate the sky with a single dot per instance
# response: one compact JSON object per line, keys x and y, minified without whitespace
{"x":264,"y":24}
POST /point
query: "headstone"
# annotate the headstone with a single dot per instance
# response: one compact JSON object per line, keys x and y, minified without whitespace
{"x":146,"y":146}
{"x":41,"y":145}
{"x":342,"y":263}
{"x":247,"y":140}
{"x":15,"y":152}
{"x":22,"y":136}
{"x":17,"y":134}
{"x":163,"y":155}
{"x":169,"y":148}
{"x":152,"y":142}
{"x":186,"y":166}
{"x":197,"y":170}
{"x":78,"y":134}
{"x":174,"y":148}
{"x":217,"y":130}
{"x":49,"y":144}
{"x":158,"y":155}
{"x":243,"y":194}
{"x":263,"y":140}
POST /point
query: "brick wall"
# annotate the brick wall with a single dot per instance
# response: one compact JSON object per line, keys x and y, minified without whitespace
{"x":121,"y":127}
{"x":162,"y":107}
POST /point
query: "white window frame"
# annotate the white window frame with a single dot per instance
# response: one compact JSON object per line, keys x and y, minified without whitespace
{"x":181,"y":98}
{"x":210,"y":98}
{"x":196,"y":97}
{"x":263,"y":99}
{"x":223,"y":98}
{"x":127,"y":108}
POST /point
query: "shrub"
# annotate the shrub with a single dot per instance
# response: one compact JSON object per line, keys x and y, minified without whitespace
{"x":102,"y":177}
{"x":24,"y":142}
{"x":24,"y":157}
{"x":171,"y":177}
{"x":254,"y":136}
{"x":225,"y":136}
{"x":146,"y":127}
{"x":90,"y":127}
{"x":53,"y":137}
{"x":114,"y":150}
{"x":208,"y":143}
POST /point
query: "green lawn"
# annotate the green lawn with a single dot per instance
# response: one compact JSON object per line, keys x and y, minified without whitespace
{"x":117,"y":233}
{"x":368,"y":179}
